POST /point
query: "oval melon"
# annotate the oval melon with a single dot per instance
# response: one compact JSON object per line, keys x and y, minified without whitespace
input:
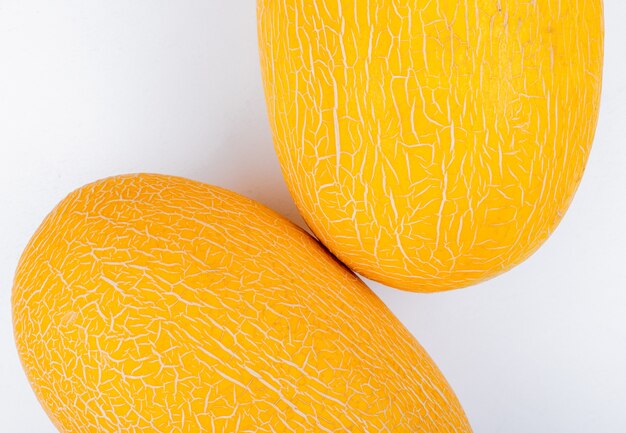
{"x":149,"y":303}
{"x":432,"y":144}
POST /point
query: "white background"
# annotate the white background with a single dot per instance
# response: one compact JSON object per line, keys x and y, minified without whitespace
{"x":89,"y":89}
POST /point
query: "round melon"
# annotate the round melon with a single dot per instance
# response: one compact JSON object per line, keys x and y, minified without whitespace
{"x":431,"y":145}
{"x":148,"y":303}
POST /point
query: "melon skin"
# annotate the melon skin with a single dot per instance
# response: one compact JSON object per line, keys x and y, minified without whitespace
{"x":148,"y":303}
{"x":431,"y":145}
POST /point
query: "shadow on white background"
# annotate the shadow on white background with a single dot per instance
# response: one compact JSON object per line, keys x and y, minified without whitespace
{"x":90,"y":89}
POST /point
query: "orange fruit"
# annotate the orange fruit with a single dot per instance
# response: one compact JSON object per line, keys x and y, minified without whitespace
{"x":431,"y":145}
{"x":151,"y":303}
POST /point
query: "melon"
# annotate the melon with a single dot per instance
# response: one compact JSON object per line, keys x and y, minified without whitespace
{"x":431,"y":145}
{"x":148,"y":303}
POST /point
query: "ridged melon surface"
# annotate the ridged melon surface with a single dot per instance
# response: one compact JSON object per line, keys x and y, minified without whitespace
{"x":432,"y":144}
{"x":148,"y":303}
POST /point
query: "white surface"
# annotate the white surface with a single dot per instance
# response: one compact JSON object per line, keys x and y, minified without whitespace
{"x":92,"y":88}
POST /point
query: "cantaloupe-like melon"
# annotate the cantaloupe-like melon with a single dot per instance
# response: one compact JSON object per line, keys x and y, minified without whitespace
{"x":432,"y":144}
{"x":149,"y":303}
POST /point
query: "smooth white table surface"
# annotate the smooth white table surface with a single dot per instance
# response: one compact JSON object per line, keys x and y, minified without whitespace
{"x":90,"y":88}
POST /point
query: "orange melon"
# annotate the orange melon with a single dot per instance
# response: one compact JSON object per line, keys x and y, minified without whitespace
{"x":149,"y":303}
{"x":431,"y":145}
